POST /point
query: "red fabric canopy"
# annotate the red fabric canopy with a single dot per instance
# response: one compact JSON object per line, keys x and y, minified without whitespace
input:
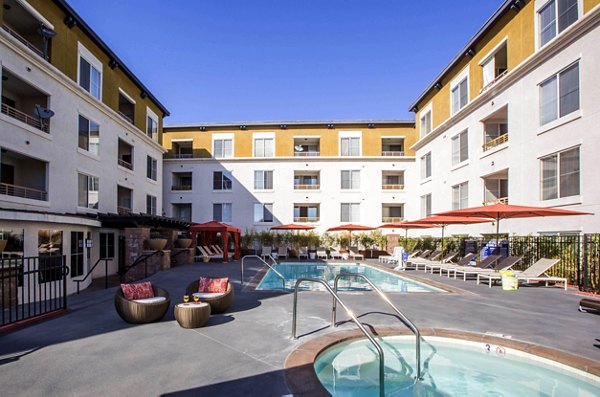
{"x":444,"y":220}
{"x":292,"y":226}
{"x":208,"y":232}
{"x":349,"y":227}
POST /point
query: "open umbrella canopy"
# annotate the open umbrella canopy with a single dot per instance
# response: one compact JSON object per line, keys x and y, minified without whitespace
{"x":507,"y":211}
{"x":445,"y":220}
{"x":406,"y":225}
{"x":292,"y":226}
{"x":350,"y":228}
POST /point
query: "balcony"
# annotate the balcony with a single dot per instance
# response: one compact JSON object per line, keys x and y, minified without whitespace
{"x":182,"y":150}
{"x":492,"y":143}
{"x":501,"y":200}
{"x":125,"y":155}
{"x":306,"y":219}
{"x":183,"y":212}
{"x":495,"y":188}
{"x":126,"y":108}
{"x":306,"y":213}
{"x":124,"y":200}
{"x":392,"y":147}
{"x":27,"y":29}
{"x":25,"y":103}
{"x":495,"y":129}
{"x":307,"y":147}
{"x":391,"y":219}
{"x":392,"y":180}
{"x":182,"y":181}
{"x":22,"y":176}
{"x":494,"y":68}
{"x":391,"y":213}
{"x":306,"y":181}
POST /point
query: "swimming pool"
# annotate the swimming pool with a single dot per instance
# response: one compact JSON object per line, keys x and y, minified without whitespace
{"x":385,"y":280}
{"x":451,"y":367}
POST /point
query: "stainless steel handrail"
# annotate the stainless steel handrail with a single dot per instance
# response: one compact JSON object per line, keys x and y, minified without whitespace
{"x":265,"y":262}
{"x":336,"y":298}
{"x":405,"y":319}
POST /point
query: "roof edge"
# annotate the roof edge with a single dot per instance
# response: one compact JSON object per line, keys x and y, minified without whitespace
{"x":285,"y":123}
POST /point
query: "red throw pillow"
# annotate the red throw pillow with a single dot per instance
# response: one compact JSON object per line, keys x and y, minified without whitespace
{"x":138,"y":291}
{"x":216,"y":285}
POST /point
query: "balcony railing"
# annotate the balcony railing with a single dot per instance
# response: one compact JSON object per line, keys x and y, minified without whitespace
{"x":25,"y":42}
{"x":392,"y":187}
{"x":123,"y":210}
{"x":392,"y":153}
{"x":307,"y":187}
{"x":495,"y":142}
{"x":306,"y":219}
{"x":501,"y":200}
{"x":391,"y":219}
{"x":182,"y":155}
{"x":491,"y":83}
{"x":307,"y":154}
{"x":24,"y":117}
{"x":181,"y":187}
{"x":125,"y":164}
{"x":23,"y":192}
{"x":126,"y":117}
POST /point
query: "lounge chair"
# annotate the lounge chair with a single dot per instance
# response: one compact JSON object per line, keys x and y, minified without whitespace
{"x":419,"y":258}
{"x":210,"y":254}
{"x":448,"y":266}
{"x":302,"y":253}
{"x":266,"y":252}
{"x":216,"y":249}
{"x":139,"y":312}
{"x":487,"y":263}
{"x":321,"y":253}
{"x":437,"y":264}
{"x":282,"y":252}
{"x":414,"y":253}
{"x":354,"y":254}
{"x":535,"y":272}
{"x":425,"y":258}
{"x":334,"y":254}
{"x":501,"y":264}
{"x":589,"y":305}
{"x":219,"y":302}
{"x":387,"y":258}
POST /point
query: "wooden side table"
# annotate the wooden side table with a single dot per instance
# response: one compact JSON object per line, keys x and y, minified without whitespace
{"x":192,"y":315}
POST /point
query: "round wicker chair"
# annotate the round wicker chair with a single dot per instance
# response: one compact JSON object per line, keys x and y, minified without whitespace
{"x":141,"y":313}
{"x":218,"y":304}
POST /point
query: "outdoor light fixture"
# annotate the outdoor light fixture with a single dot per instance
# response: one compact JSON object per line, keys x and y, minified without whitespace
{"x":70,"y":21}
{"x":143,"y":94}
{"x":438,"y":85}
{"x":283,"y":126}
{"x":45,"y":32}
{"x":370,"y":125}
{"x":112,"y":64}
{"x":242,"y":127}
{"x":330,"y":126}
{"x":470,"y":53}
{"x":517,"y":5}
{"x":202,"y":128}
{"x":414,"y":109}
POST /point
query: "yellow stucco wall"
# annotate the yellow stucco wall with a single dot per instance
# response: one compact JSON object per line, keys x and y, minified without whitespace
{"x":589,"y":4}
{"x":63,"y":53}
{"x":284,"y":138}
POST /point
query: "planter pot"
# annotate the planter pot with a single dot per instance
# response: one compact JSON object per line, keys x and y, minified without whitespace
{"x":157,"y":244}
{"x":312,"y":255}
{"x":3,"y":245}
{"x":183,"y":242}
{"x":205,"y":259}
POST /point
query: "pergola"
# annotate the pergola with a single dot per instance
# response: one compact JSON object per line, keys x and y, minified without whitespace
{"x":208,"y":232}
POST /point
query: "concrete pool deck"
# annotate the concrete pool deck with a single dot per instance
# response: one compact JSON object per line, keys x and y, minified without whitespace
{"x":91,"y":351}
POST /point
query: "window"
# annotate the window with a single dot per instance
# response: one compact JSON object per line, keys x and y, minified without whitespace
{"x":151,"y":125}
{"x":306,"y":212}
{"x":350,"y":212}
{"x":150,"y":204}
{"x":460,"y":95}
{"x":151,"y":168}
{"x":87,"y":192}
{"x":222,"y":212}
{"x":77,"y":254}
{"x":263,"y":213}
{"x":426,"y":123}
{"x":89,"y":135}
{"x":107,"y":245}
{"x":222,"y":180}
{"x":350,"y":146}
{"x":460,"y":148}
{"x":495,"y":65}
{"x":223,"y":148}
{"x":567,"y":11}
{"x":426,"y":166}
{"x":182,"y":211}
{"x":126,"y":107}
{"x":90,"y":72}
{"x":559,"y":95}
{"x":350,"y":180}
{"x":263,"y":180}
{"x":560,"y":174}
{"x":307,"y":180}
{"x":460,"y":196}
{"x":426,"y":206}
{"x":264,"y":147}
{"x":182,"y":149}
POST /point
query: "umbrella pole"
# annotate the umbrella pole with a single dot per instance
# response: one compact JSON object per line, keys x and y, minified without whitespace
{"x":405,"y":239}
{"x":497,"y":230}
{"x":443,"y":227}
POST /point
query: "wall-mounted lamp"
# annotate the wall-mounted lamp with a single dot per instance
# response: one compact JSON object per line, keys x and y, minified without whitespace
{"x":517,"y":5}
{"x":370,"y":125}
{"x":242,"y":127}
{"x":414,"y":109}
{"x":438,"y":85}
{"x":112,"y":64}
{"x":202,"y":128}
{"x":70,"y":22}
{"x":283,"y":126}
{"x":470,"y":53}
{"x":330,"y":126}
{"x":143,"y":94}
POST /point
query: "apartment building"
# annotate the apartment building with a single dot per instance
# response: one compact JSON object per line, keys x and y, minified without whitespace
{"x":79,"y":137}
{"x":514,"y":118}
{"x":320,"y":174}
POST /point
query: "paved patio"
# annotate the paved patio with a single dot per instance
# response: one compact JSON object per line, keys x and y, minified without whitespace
{"x":91,"y":351}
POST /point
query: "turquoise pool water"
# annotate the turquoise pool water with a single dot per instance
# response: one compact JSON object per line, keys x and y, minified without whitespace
{"x":450,"y":368}
{"x":386,"y":281}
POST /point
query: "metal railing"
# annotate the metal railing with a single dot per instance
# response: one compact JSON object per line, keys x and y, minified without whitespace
{"x":386,"y":153}
{"x":32,"y":287}
{"x":307,"y":154}
{"x":35,"y":122}
{"x":23,"y":192}
{"x":392,"y":187}
{"x":181,"y":187}
{"x":125,"y":164}
{"x":263,"y":261}
{"x":403,"y":318}
{"x":491,"y":83}
{"x":337,"y":299}
{"x":142,"y":258}
{"x":126,"y":117}
{"x":391,"y":219}
{"x":495,"y":142}
{"x":81,"y":280}
{"x":123,"y":210}
{"x":316,"y":186}
{"x":182,"y":155}
{"x":306,"y":219}
{"x":24,"y":41}
{"x":500,"y":200}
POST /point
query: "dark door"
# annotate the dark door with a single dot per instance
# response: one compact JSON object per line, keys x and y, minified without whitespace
{"x":77,"y":250}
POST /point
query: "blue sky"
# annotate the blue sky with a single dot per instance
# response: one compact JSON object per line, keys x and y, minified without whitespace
{"x":243,"y":60}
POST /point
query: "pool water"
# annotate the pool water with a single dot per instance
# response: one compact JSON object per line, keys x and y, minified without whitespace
{"x":449,"y":368}
{"x":386,"y":281}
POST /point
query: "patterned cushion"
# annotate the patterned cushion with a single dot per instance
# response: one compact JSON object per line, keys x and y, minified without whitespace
{"x":213,"y":284}
{"x":138,"y":291}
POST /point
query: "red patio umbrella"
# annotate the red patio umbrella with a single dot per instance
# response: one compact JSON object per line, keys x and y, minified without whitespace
{"x":444,"y":220}
{"x":292,"y":226}
{"x":500,"y":211}
{"x":405,"y":225}
{"x":350,"y":228}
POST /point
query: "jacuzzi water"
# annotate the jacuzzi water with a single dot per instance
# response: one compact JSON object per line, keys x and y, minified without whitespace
{"x":386,"y":281}
{"x":450,"y":367}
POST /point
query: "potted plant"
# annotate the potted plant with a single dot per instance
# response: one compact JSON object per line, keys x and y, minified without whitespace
{"x":183,"y":240}
{"x":156,"y":243}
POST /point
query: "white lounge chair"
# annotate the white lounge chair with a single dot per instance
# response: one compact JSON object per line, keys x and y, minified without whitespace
{"x":302,"y":253}
{"x":334,"y":254}
{"x":501,"y":264}
{"x":265,"y":252}
{"x":354,"y":254}
{"x":387,"y":258}
{"x":535,"y":272}
{"x":282,"y":252}
{"x":321,"y":253}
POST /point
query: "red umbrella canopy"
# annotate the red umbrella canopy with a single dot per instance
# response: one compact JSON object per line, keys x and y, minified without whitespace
{"x":292,"y":226}
{"x":443,"y":220}
{"x":405,"y":225}
{"x":507,"y":211}
{"x":349,"y":227}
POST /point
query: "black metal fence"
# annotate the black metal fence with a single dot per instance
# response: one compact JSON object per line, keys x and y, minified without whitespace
{"x":32,"y":287}
{"x":579,"y":254}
